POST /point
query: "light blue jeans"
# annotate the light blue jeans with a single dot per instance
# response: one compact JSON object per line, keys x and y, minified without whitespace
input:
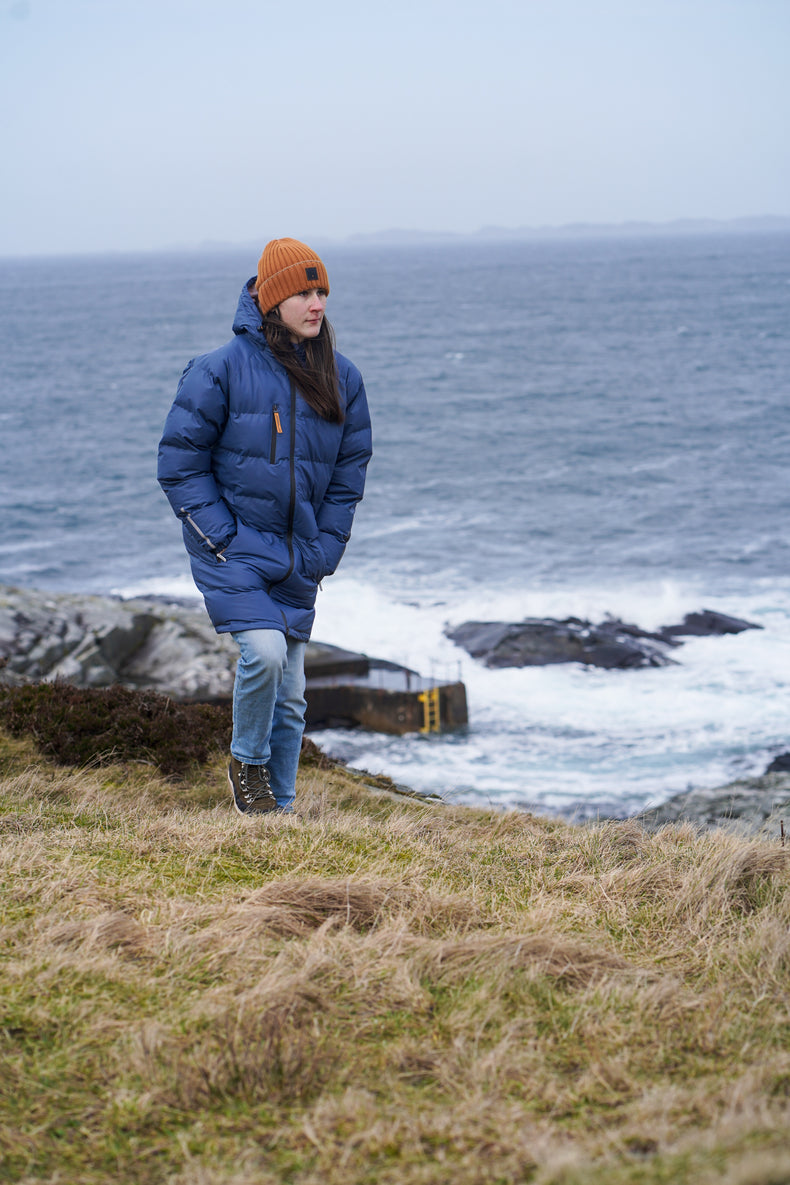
{"x":269,"y":707}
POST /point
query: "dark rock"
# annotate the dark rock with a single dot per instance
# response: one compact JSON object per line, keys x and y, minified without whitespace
{"x":118,"y":645}
{"x":706,"y":624}
{"x":541,"y":642}
{"x":610,"y":644}
{"x":749,"y":806}
{"x":780,"y":764}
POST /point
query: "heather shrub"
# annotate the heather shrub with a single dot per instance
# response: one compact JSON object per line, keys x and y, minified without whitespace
{"x":82,"y":726}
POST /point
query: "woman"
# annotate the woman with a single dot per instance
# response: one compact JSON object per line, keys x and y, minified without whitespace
{"x":263,"y":458}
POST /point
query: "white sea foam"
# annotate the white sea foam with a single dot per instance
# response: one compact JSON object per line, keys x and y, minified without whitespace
{"x":180,"y":588}
{"x":571,"y":738}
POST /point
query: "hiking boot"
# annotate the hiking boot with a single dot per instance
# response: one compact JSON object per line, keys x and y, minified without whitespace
{"x":251,"y":789}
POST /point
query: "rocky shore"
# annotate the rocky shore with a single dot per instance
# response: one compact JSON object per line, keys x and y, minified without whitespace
{"x":171,"y":648}
{"x":748,"y":806}
{"x":97,"y":641}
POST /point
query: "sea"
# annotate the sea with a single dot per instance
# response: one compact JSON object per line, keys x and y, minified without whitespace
{"x":562,"y":427}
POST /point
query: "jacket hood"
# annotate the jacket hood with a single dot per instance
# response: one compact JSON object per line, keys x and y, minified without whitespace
{"x":248,"y":316}
{"x":248,"y":320}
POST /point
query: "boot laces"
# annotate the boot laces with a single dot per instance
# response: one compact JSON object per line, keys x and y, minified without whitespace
{"x":254,"y":782}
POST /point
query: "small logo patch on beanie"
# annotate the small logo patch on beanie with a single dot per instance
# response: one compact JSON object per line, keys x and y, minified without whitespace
{"x":311,"y":273}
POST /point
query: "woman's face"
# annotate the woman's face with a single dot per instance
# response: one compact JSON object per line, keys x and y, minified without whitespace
{"x":303,"y":313}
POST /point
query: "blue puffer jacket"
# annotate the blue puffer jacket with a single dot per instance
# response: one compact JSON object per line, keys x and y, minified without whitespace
{"x":266,"y":489}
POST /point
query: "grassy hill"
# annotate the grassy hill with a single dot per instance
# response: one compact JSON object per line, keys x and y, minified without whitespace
{"x":379,"y":989}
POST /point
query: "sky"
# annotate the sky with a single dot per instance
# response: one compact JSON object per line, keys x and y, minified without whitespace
{"x":147,"y":124}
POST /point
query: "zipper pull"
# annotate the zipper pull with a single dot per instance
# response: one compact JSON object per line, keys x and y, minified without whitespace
{"x":277,"y":430}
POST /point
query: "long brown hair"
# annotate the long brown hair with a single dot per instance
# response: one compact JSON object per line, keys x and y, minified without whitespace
{"x":312,"y":366}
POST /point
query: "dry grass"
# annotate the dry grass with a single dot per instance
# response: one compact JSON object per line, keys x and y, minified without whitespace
{"x":379,"y":991}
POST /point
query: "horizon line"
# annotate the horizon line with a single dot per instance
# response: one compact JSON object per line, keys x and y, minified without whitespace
{"x":403,"y":236}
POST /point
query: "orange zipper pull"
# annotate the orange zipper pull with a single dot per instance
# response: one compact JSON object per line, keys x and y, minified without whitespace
{"x":277,"y":423}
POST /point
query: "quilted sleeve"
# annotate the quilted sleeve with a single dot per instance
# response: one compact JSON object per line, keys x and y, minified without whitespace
{"x":193,"y":426}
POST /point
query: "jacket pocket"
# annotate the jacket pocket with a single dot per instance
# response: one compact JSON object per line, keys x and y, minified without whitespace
{"x":193,"y":531}
{"x":260,"y":552}
{"x":312,"y":561}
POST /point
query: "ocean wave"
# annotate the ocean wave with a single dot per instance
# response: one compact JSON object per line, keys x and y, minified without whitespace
{"x":568,"y":737}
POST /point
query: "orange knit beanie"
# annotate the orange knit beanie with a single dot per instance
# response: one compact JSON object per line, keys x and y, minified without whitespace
{"x":285,"y":268}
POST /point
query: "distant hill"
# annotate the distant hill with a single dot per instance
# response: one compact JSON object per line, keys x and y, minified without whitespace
{"x":678,"y":226}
